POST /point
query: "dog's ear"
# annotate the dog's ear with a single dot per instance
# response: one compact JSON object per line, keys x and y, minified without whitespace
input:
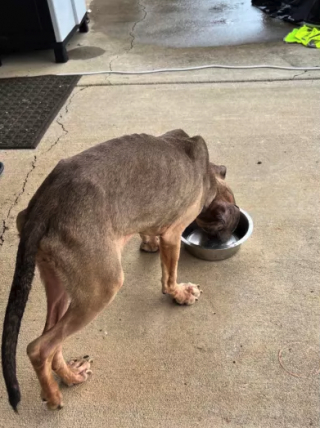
{"x":222,"y":171}
{"x":219,"y":170}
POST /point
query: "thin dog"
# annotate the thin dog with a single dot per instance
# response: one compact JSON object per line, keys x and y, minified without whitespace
{"x":77,"y":223}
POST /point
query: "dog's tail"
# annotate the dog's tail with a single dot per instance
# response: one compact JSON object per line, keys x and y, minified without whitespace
{"x":31,"y":235}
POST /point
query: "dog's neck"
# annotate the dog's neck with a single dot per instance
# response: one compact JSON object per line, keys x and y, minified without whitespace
{"x":224,"y":192}
{"x":220,"y":191}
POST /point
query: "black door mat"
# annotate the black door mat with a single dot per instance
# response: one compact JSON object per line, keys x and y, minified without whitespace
{"x":27,"y":107}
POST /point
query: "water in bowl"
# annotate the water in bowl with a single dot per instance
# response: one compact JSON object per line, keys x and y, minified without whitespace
{"x":199,"y":237}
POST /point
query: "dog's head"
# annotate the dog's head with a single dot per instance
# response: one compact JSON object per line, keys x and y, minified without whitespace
{"x":221,"y":216}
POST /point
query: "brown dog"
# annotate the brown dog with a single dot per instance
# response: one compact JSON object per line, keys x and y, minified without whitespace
{"x":75,"y":228}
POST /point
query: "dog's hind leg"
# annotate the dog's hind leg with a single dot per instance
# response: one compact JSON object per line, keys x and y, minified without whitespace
{"x":90,"y":292}
{"x":58,"y":303}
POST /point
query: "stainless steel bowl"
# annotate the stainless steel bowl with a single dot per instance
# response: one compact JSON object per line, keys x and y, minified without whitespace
{"x":200,"y":245}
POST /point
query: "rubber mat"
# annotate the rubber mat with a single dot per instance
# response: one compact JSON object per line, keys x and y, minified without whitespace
{"x":27,"y":107}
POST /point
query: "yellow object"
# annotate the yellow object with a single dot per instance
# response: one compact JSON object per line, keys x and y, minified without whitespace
{"x":291,"y":37}
{"x":307,"y":36}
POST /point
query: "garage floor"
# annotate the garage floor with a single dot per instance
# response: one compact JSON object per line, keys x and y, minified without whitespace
{"x":247,"y":354}
{"x":189,"y":23}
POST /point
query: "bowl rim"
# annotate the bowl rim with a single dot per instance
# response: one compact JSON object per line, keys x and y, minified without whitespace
{"x":236,"y":244}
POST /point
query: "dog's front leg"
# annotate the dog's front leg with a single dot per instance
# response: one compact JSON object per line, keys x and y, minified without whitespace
{"x":184,"y":294}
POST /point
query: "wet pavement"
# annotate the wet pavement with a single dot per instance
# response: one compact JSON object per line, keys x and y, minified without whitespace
{"x":186,"y":23}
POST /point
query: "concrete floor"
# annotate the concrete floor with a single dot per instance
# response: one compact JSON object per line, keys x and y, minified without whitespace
{"x":132,"y":35}
{"x":177,"y":23}
{"x":215,"y":364}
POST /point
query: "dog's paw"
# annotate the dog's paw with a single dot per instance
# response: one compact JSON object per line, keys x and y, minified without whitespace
{"x":150,"y":247}
{"x":52,"y":399}
{"x":80,"y":368}
{"x":187,"y":294}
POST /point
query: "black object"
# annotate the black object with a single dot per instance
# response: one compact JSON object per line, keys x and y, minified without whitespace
{"x":1,"y":168}
{"x":27,"y":107}
{"x":27,"y":25}
{"x":60,"y":51}
{"x":295,"y":11}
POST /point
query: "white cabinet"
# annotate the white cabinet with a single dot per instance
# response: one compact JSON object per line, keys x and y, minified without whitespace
{"x":79,"y":9}
{"x":67,"y":16}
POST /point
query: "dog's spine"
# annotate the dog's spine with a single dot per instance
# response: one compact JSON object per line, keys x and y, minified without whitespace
{"x":21,"y":286}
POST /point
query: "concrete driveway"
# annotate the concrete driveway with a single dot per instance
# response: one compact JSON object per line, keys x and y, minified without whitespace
{"x":247,"y":354}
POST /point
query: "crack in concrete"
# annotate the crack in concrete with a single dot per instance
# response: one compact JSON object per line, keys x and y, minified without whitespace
{"x":132,"y":35}
{"x":15,"y":202}
{"x":65,"y":131}
{"x":111,"y":61}
{"x":71,"y":98}
{"x":200,"y":82}
{"x":33,"y":166}
{"x":62,"y":125}
{"x":143,"y":9}
{"x":299,"y":74}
